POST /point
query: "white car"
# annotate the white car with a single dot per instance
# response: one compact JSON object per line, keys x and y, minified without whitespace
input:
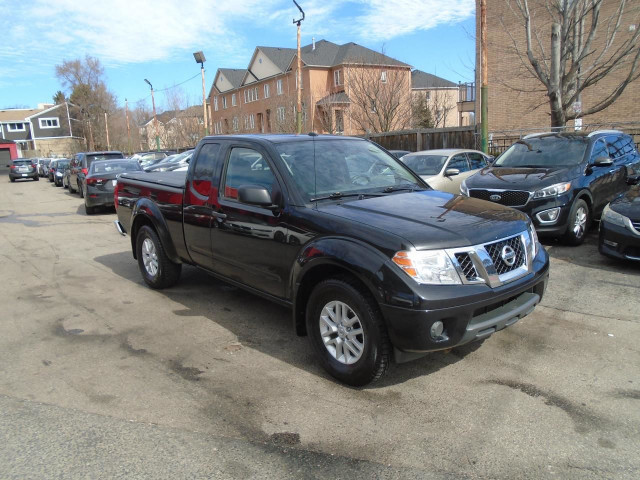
{"x":446,"y":168}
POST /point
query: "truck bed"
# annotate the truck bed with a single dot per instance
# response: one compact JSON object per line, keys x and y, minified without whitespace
{"x":169,"y":179}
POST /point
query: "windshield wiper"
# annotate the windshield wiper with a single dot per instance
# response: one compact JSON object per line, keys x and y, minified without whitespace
{"x":397,"y":188}
{"x":338,"y":195}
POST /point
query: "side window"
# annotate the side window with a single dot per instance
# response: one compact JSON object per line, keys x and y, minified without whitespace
{"x":247,"y":167}
{"x":460,"y":162}
{"x":615,"y":145}
{"x":600,"y":149}
{"x":476,"y":160}
{"x":203,"y":168}
{"x":627,"y":145}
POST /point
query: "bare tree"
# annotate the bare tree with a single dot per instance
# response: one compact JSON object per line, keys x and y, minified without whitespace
{"x":586,"y":46}
{"x":380,"y":97}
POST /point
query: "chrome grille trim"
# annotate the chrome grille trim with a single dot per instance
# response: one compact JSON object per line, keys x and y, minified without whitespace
{"x":486,"y":270}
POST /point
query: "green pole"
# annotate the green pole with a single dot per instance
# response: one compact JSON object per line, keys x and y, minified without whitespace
{"x":484,"y":118}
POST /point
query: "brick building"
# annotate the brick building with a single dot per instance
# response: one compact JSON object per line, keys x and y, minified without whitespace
{"x":518,"y":101}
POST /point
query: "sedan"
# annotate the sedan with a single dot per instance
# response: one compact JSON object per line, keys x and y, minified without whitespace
{"x":100,"y":180}
{"x":620,"y":225}
{"x":172,"y":162}
{"x":59,"y":171}
{"x":445,"y":169}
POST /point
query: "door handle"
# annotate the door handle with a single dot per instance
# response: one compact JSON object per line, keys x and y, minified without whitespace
{"x":219,"y":216}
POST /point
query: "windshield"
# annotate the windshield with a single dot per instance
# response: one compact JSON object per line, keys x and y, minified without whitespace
{"x":425,"y":164}
{"x":544,"y":152}
{"x":63,"y":163}
{"x":102,"y":156}
{"x":114,"y":167}
{"x":342,"y":167}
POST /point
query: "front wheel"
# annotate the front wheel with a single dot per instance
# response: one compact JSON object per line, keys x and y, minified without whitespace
{"x":347,"y":332}
{"x":158,"y":271}
{"x":36,"y":179}
{"x":579,"y":221}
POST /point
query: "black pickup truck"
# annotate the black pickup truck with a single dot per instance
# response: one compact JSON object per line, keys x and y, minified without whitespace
{"x":374,"y":264}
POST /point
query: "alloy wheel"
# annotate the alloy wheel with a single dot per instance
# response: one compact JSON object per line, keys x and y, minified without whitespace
{"x":150,"y":257}
{"x":342,"y":332}
{"x":580,"y":222}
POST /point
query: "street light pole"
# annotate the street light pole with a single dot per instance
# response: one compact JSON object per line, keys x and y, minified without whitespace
{"x":155,"y":119}
{"x":299,"y":76}
{"x":199,"y":56}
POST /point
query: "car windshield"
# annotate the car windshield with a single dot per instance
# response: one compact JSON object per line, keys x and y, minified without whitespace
{"x":102,"y":156}
{"x":425,"y":164}
{"x":112,"y":166}
{"x":63,"y":163}
{"x":544,"y":152}
{"x":343,"y":167}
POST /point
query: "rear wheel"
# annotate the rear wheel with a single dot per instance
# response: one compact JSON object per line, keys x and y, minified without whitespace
{"x":80,"y":190}
{"x":89,"y":210}
{"x":12,"y":179}
{"x":158,"y":271}
{"x":37,"y":179}
{"x":347,"y":332}
{"x":579,"y":221}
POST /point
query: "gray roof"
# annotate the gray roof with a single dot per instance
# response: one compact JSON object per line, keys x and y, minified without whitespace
{"x":329,"y":54}
{"x":234,"y":75}
{"x":339,"y":97}
{"x":420,"y":79}
{"x":281,"y":57}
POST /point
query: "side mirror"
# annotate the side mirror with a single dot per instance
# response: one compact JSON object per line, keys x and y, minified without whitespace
{"x":255,"y":195}
{"x":633,"y":179}
{"x":8,"y":165}
{"x":603,"y":162}
{"x":451,"y":172}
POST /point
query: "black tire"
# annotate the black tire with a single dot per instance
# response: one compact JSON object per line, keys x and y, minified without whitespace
{"x":168,"y":273}
{"x":37,"y":179}
{"x":578,"y":225}
{"x":80,"y":190}
{"x":12,"y":179}
{"x":376,"y":353}
{"x":89,"y":210}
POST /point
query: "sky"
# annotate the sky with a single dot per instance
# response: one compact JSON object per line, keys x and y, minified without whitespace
{"x":155,"y":39}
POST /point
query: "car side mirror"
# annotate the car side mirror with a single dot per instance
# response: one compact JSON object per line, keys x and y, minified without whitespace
{"x":603,"y":162}
{"x":633,"y":179}
{"x":451,"y":172}
{"x":255,"y":195}
{"x":8,"y":165}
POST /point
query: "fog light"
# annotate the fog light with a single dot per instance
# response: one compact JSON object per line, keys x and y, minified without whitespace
{"x":548,"y":216}
{"x":610,"y":243}
{"x":436,"y":330}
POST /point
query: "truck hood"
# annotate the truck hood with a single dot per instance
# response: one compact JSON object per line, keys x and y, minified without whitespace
{"x":520,"y":178}
{"x":432,"y":219}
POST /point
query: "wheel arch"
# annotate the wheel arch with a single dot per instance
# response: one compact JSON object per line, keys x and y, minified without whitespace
{"x":147,"y":213}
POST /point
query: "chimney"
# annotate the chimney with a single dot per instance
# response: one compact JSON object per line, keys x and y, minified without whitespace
{"x":313,"y":40}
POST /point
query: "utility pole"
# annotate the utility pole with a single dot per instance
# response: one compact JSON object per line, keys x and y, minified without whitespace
{"x":106,"y":127}
{"x":126,"y":114}
{"x":199,"y":56}
{"x":155,"y":119}
{"x":299,"y":75}
{"x":484,"y":94}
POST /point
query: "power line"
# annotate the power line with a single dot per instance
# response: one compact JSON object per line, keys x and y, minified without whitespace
{"x":168,"y":88}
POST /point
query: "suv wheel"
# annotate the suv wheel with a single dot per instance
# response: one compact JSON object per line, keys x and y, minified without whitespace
{"x":347,"y":331}
{"x":579,"y":221}
{"x":71,"y":190}
{"x":158,"y":271}
{"x":80,"y":190}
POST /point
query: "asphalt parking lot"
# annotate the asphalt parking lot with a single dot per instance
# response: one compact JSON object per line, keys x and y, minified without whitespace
{"x":102,"y":376}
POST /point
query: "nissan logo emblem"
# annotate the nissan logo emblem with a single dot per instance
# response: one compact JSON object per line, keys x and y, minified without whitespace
{"x":495,"y":198}
{"x":508,"y":255}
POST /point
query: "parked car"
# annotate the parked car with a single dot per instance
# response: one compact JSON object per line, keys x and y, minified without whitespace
{"x":23,"y":168}
{"x":61,"y":166}
{"x":374,"y":267}
{"x":399,"y":153}
{"x":52,"y":169}
{"x":172,"y":162}
{"x":65,"y":175}
{"x":561,"y":180}
{"x":79,"y":167}
{"x":38,"y":162}
{"x":445,"y":169}
{"x":100,"y":180}
{"x":620,"y":225}
{"x":151,"y":158}
{"x":45,"y":167}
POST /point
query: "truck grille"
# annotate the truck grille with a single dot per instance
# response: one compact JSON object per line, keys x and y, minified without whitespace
{"x":510,"y":198}
{"x":495,"y":252}
{"x":468,"y":269}
{"x":636,"y":225}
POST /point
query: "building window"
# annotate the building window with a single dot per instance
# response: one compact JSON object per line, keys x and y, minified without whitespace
{"x":337,"y":77}
{"x":266,"y":90}
{"x":254,"y":94}
{"x":252,"y":121}
{"x":251,"y":95}
{"x":224,"y":102}
{"x":16,"y":127}
{"x":234,"y":101}
{"x":235,"y":124}
{"x":427,"y":96}
{"x":215,"y":103}
{"x":383,"y":76}
{"x":279,"y":87}
{"x":280,"y":114}
{"x":49,"y":122}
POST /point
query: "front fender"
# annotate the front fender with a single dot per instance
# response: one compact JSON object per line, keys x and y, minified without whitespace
{"x":144,"y":212}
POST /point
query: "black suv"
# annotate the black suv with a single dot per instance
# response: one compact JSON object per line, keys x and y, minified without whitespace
{"x":561,"y":180}
{"x":79,"y":167}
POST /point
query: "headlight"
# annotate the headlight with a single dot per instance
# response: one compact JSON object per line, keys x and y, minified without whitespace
{"x":534,"y":240}
{"x":614,"y":217}
{"x":463,"y":189}
{"x":58,"y":174}
{"x":553,"y":190}
{"x":432,"y":267}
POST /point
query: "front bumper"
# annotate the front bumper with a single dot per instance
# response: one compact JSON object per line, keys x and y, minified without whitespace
{"x":618,"y":242}
{"x":472,"y":318}
{"x":549,"y":229}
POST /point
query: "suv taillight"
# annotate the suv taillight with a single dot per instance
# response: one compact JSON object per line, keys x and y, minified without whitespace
{"x":115,"y":194}
{"x":85,"y":171}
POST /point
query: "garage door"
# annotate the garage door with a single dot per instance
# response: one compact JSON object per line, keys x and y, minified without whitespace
{"x":5,"y":159}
